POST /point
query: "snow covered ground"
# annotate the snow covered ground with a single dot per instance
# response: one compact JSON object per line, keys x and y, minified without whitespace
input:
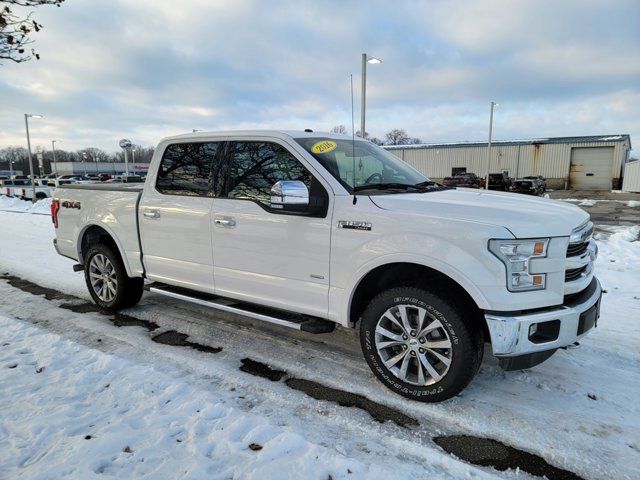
{"x":590,"y":202}
{"x":13,"y":204}
{"x":171,"y":412}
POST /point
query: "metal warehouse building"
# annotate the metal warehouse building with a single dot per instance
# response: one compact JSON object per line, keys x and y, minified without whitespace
{"x":586,"y":163}
{"x":631,"y":177}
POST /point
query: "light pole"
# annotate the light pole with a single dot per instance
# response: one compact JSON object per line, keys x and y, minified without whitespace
{"x":363,"y":101}
{"x":33,"y":180}
{"x":84,"y":165}
{"x":53,"y":151}
{"x":486,"y":178}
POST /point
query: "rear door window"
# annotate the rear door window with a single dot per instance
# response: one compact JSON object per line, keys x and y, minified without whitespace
{"x":186,"y":168}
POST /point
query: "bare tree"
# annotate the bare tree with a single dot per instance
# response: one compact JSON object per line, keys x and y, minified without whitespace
{"x":92,"y":154}
{"x":396,"y":137}
{"x":341,"y":129}
{"x":376,"y":140}
{"x":143,"y":154}
{"x":16,"y":29}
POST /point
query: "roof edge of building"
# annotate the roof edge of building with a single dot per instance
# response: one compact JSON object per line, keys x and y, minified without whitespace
{"x":551,"y":140}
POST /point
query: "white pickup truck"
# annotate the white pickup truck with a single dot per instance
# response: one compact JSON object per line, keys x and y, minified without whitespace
{"x":308,"y":230}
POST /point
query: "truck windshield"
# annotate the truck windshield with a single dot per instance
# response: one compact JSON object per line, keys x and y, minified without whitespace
{"x":375,"y":168}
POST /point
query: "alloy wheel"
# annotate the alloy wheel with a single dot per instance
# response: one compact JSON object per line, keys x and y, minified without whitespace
{"x":413,"y":345}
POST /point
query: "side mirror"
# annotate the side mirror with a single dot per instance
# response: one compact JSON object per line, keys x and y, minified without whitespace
{"x":290,"y":196}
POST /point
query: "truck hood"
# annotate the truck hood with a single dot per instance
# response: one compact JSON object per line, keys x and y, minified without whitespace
{"x":525,"y":217}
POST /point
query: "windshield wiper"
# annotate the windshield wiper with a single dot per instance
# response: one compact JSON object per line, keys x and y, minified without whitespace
{"x":385,"y":186}
{"x":431,"y":186}
{"x":422,"y":187}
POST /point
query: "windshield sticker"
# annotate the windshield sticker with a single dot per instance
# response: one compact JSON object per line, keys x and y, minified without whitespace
{"x":323,"y":146}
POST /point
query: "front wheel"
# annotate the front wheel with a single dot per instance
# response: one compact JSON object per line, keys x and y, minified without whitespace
{"x":418,"y":344}
{"x":107,"y":280}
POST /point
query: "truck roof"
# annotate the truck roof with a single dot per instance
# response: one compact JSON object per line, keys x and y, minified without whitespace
{"x":283,"y":134}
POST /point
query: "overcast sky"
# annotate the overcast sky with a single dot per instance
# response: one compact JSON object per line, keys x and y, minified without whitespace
{"x":145,"y":69}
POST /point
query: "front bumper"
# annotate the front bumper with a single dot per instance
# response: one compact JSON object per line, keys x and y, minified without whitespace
{"x":555,"y":327}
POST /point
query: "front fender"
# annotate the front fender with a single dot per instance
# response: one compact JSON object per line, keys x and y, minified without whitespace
{"x":458,"y":252}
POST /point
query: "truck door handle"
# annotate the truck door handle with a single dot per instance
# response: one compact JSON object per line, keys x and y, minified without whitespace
{"x":225,"y":221}
{"x":151,"y":213}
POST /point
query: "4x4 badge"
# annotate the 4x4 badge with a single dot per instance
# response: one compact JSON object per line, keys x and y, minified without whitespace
{"x":354,"y":225}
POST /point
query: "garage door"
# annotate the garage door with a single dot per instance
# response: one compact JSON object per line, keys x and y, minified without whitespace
{"x":591,"y":168}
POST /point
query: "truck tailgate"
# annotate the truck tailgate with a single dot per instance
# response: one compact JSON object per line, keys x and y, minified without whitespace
{"x":112,"y":208}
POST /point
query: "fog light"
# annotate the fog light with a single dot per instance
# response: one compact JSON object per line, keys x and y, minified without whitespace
{"x":544,"y":332}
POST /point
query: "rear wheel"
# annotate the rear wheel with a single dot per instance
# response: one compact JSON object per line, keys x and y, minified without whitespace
{"x":107,"y":280}
{"x":418,"y":344}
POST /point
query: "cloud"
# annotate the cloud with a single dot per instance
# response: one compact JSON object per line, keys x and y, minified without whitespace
{"x":148,"y":68}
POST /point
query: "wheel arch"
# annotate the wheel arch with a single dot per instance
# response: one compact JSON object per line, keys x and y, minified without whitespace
{"x":94,"y":234}
{"x":411,"y":274}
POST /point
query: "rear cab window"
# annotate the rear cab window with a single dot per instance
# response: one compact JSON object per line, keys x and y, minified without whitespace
{"x":186,"y":168}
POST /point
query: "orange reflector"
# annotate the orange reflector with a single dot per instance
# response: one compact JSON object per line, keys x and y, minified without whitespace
{"x":538,"y":249}
{"x":537,"y":279}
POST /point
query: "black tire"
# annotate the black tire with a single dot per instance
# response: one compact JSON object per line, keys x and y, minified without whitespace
{"x":466,"y":340}
{"x":128,"y":291}
{"x":40,"y":196}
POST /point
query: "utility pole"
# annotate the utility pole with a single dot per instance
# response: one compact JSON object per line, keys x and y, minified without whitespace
{"x":53,"y":151}
{"x":363,"y":101}
{"x":486,"y":178}
{"x":33,"y":180}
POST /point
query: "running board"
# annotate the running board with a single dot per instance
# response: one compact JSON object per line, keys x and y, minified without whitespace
{"x":278,"y":317}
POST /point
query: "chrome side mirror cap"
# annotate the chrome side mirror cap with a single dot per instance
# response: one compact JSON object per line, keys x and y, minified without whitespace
{"x":290,"y":195}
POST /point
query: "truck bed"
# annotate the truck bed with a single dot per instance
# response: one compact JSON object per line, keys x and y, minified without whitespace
{"x":112,"y":208}
{"x":108,"y":187}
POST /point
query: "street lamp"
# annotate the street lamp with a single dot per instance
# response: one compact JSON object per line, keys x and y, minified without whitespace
{"x":486,"y":178}
{"x":33,"y":180}
{"x":372,"y":60}
{"x":53,"y":151}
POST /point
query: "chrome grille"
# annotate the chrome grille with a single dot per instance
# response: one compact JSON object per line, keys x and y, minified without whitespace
{"x":575,"y":249}
{"x":581,"y":252}
{"x":573,"y":273}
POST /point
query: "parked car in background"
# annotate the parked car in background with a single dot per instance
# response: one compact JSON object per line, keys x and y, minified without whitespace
{"x":26,"y":192}
{"x":83,"y":179}
{"x":539,"y":179}
{"x":466,"y":180}
{"x":500,"y":181}
{"x":132,"y":179}
{"x":62,"y":180}
{"x":7,"y":186}
{"x":527,"y":187}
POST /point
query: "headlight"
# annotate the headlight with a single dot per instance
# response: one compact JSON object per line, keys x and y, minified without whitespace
{"x":516,"y":255}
